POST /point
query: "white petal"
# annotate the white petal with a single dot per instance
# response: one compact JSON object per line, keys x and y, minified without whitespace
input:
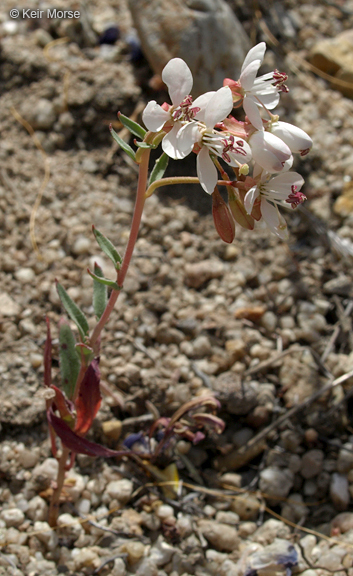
{"x":206,"y":171}
{"x":269,"y":99}
{"x":252,"y":112}
{"x":274,"y":219}
{"x":255,"y":53}
{"x":177,"y":76}
{"x":271,"y":153}
{"x":248,"y":75}
{"x":218,"y":108}
{"x":284,"y":182}
{"x":201,"y":102}
{"x":170,"y":143}
{"x":188,"y":135}
{"x":154,"y":117}
{"x":294,"y":137}
{"x":250,"y":198}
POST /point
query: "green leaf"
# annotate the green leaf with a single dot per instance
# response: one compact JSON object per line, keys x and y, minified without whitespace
{"x":73,"y":311}
{"x":143,"y":144}
{"x":132,"y":126}
{"x":69,"y":360}
{"x":108,"y":248}
{"x":100,"y":293}
{"x":105,"y":281}
{"x":159,"y":168}
{"x":129,"y":151}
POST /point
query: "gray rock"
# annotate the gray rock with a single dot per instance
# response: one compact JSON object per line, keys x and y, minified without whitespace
{"x":312,"y":463}
{"x":276,"y":482}
{"x":339,"y":491}
{"x":204,"y":33}
{"x":345,"y":458}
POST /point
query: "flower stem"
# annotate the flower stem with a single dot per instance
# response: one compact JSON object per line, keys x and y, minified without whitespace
{"x":135,"y":225}
{"x":179,"y":180}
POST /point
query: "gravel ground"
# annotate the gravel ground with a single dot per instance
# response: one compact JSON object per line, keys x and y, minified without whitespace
{"x":263,"y":325}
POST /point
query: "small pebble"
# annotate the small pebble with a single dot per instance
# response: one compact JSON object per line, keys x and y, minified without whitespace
{"x":12,"y":517}
{"x":339,"y":491}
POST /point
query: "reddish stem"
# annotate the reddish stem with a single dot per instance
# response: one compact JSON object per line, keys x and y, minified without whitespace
{"x":55,"y":499}
{"x":135,"y":226}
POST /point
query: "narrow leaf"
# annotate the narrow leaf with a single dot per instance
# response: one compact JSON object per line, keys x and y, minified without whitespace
{"x":108,"y":248}
{"x":143,"y":144}
{"x":47,"y":356}
{"x":63,"y":405}
{"x":159,"y":168}
{"x":100,"y":293}
{"x":89,"y":399}
{"x":69,"y":360}
{"x":77,"y":444}
{"x":105,"y":281}
{"x":129,"y":151}
{"x":73,"y":311}
{"x":132,"y":126}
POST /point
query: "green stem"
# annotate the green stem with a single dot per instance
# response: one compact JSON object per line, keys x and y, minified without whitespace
{"x":179,"y":180}
{"x":135,"y":225}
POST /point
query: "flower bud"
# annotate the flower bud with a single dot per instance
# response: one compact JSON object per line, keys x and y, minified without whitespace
{"x":238,"y":211}
{"x":222,"y":218}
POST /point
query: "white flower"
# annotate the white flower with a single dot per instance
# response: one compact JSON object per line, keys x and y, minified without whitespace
{"x":295,"y":138}
{"x":214,"y":107}
{"x":262,"y":91}
{"x":270,"y":152}
{"x":178,"y":78}
{"x":271,"y":192}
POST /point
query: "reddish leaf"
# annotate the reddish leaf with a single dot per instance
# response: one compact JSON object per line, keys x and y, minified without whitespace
{"x":88,"y":399}
{"x":76,"y":443}
{"x":64,"y":406}
{"x":47,"y":356}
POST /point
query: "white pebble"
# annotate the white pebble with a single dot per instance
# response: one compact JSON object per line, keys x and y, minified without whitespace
{"x":119,"y":568}
{"x":46,"y":534}
{"x":37,"y":509}
{"x":25,"y":275}
{"x":120,"y":490}
{"x":165,"y":511}
{"x":12,"y":516}
{"x":81,"y":246}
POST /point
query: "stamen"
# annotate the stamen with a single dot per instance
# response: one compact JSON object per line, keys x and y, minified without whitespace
{"x":296,"y":197}
{"x":184,"y":112}
{"x":279,"y":81}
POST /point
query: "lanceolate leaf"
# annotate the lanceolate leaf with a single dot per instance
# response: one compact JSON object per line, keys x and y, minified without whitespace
{"x":108,"y":248}
{"x":100,"y":292}
{"x":76,"y":443}
{"x":129,"y":151}
{"x":101,"y":280}
{"x":73,"y":311}
{"x":69,"y":360}
{"x":159,"y":168}
{"x":132,"y":126}
{"x":47,"y":356}
{"x":143,"y":144}
{"x":88,"y":399}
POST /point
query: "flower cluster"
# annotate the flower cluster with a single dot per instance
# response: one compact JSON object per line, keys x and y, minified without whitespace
{"x":204,"y":126}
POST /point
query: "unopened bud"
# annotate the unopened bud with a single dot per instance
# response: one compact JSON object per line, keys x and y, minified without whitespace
{"x":222,"y":218}
{"x":238,"y":211}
